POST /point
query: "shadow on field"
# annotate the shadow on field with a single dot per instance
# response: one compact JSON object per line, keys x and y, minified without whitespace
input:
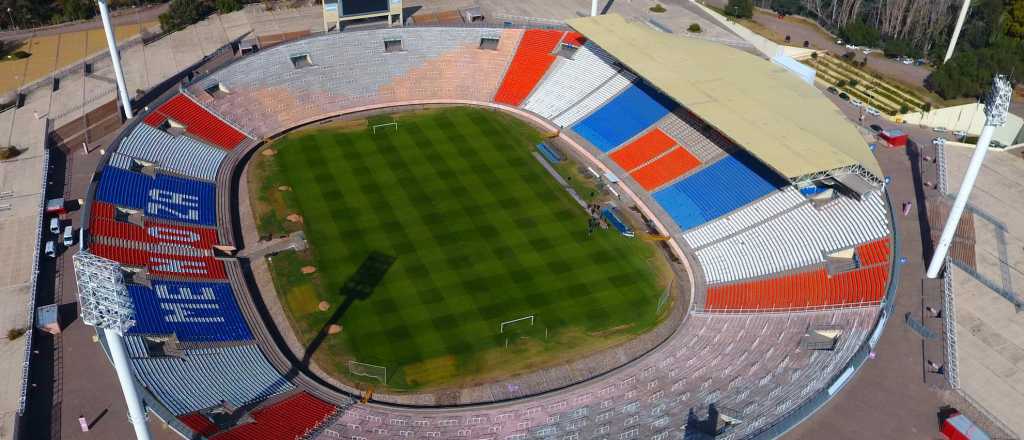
{"x":358,"y":287}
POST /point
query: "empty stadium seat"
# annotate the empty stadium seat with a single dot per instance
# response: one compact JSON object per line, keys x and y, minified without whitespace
{"x":183,"y":200}
{"x":716,"y":190}
{"x":193,"y":311}
{"x":874,"y":252}
{"x":161,"y":264}
{"x":665,"y":169}
{"x":571,"y":80}
{"x":629,"y":113}
{"x":289,"y":419}
{"x":154,"y":233}
{"x":642,"y":149}
{"x":206,"y":377}
{"x":124,"y":188}
{"x":809,"y":290}
{"x":179,"y":154}
{"x":532,"y":59}
{"x":197,"y":121}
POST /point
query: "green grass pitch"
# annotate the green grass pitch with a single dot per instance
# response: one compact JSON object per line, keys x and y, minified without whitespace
{"x":431,"y":235}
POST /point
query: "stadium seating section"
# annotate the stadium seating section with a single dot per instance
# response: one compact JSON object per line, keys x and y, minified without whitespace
{"x":716,"y":190}
{"x":801,"y":291}
{"x":194,"y":311}
{"x":197,"y":120}
{"x":533,"y":57}
{"x":761,"y":245}
{"x":629,"y":113}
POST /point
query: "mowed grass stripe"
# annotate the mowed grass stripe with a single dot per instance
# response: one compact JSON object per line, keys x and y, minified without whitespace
{"x":479,"y":233}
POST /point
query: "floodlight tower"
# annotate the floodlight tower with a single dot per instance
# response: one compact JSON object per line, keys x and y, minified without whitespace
{"x":956,"y":30}
{"x":103,"y":302}
{"x":593,"y":8}
{"x":115,"y":58}
{"x":997,"y":104}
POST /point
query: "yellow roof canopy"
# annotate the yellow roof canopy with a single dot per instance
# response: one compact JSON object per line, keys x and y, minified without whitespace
{"x":786,"y":123}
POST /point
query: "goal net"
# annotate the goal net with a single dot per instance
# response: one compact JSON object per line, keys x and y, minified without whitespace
{"x":521,"y":328}
{"x":369,"y":370}
{"x":383,"y":123}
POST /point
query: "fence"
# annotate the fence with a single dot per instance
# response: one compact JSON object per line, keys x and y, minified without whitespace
{"x":26,"y":364}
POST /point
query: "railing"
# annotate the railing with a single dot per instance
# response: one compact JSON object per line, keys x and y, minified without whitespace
{"x":949,"y":322}
{"x":25,"y":366}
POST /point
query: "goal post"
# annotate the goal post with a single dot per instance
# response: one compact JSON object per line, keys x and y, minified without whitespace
{"x":369,"y":370}
{"x":526,"y":327}
{"x":385,"y":126}
{"x":512,"y":323}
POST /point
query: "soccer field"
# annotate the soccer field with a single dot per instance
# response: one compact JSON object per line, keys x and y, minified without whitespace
{"x":427,"y":237}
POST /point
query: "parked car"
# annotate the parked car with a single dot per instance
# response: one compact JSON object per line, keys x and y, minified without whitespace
{"x":907,"y":61}
{"x":856,"y":102}
{"x":851,"y":46}
{"x":867,"y":51}
{"x":55,"y":225}
{"x":940,"y":129}
{"x":875,"y":128}
{"x":839,"y":42}
{"x":69,"y":236}
{"x":938,"y":141}
{"x":872,"y":111}
{"x":50,"y":249}
{"x":844,"y":96}
{"x":920,"y":62}
{"x":832,"y":90}
{"x":960,"y":134}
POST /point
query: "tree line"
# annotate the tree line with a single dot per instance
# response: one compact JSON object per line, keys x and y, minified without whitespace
{"x":992,"y":39}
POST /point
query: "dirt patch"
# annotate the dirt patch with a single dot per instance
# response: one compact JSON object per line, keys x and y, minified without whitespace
{"x":308,"y":269}
{"x":294,"y":218}
{"x":284,"y":188}
{"x":269,"y":152}
{"x":324,"y":306}
{"x":334,"y":329}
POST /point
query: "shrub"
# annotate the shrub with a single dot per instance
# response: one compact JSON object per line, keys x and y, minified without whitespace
{"x":927,"y":107}
{"x":814,"y":55}
{"x":17,"y":55}
{"x":226,"y":6}
{"x":854,"y":82}
{"x":904,"y":108}
{"x":9,"y":152}
{"x":15,"y":333}
{"x":182,"y":13}
{"x":740,"y":8}
{"x":841,"y":83}
{"x":695,"y":28}
{"x":658,"y":8}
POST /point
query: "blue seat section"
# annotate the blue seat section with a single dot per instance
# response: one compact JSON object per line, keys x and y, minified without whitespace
{"x":203,"y":377}
{"x":717,"y":190}
{"x":123,"y":187}
{"x":195,"y":312}
{"x":623,"y":117}
{"x":183,"y":200}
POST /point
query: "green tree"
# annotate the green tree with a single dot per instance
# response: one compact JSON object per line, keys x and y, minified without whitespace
{"x":182,"y":13}
{"x":904,"y":108}
{"x":695,"y":28}
{"x":899,"y":48}
{"x":861,"y":34}
{"x":226,"y":6}
{"x":740,"y":8}
{"x":76,"y":9}
{"x":854,"y":82}
{"x":841,"y":83}
{"x":1015,"y":19}
{"x":787,"y":7}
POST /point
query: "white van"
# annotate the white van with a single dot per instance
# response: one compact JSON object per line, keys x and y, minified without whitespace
{"x":856,"y":102}
{"x":55,"y":226}
{"x":51,"y":249}
{"x":69,"y":235}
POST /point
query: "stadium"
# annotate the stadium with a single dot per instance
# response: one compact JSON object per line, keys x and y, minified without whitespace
{"x":746,"y":186}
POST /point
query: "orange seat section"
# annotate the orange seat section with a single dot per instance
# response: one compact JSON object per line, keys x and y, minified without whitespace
{"x":665,"y":169}
{"x":643,"y":149}
{"x":809,"y":290}
{"x":574,"y":38}
{"x":874,"y":252}
{"x":528,"y":66}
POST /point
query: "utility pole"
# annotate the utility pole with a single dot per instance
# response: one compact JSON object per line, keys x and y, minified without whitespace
{"x":593,"y":8}
{"x":115,"y":58}
{"x":997,"y":104}
{"x":956,"y":30}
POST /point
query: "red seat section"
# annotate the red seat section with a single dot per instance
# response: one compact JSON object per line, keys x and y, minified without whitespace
{"x":101,"y":210}
{"x":207,"y":268}
{"x":802,"y":291}
{"x":874,"y":252}
{"x":288,"y":419}
{"x":665,"y":169}
{"x":159,"y":233}
{"x":197,"y":121}
{"x":643,"y":149}
{"x":531,"y":61}
{"x":105,"y":227}
{"x":199,"y":424}
{"x":574,"y":38}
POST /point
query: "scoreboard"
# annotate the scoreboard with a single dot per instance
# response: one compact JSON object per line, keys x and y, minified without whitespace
{"x":341,"y":11}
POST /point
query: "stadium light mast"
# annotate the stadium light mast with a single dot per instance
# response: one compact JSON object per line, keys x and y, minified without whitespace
{"x":593,"y":8}
{"x":956,"y":30}
{"x":115,"y":58}
{"x":997,"y":104}
{"x":103,"y":302}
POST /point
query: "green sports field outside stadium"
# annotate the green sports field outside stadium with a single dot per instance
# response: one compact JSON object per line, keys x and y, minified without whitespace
{"x":426,"y":237}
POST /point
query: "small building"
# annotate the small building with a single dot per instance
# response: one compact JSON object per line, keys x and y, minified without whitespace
{"x":895,"y":138}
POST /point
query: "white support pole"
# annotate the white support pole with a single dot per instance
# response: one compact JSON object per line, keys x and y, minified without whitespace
{"x":956,"y":30}
{"x":996,"y":107}
{"x":115,"y":58}
{"x":119,"y":356}
{"x":593,"y":8}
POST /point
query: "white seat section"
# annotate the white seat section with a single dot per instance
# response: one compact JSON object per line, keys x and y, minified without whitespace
{"x":202,"y":378}
{"x":180,"y":154}
{"x":743,"y":218}
{"x":592,"y":102}
{"x":570,"y":80}
{"x":795,"y":239}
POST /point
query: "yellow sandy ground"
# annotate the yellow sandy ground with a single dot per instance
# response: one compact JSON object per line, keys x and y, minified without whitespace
{"x":53,"y":52}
